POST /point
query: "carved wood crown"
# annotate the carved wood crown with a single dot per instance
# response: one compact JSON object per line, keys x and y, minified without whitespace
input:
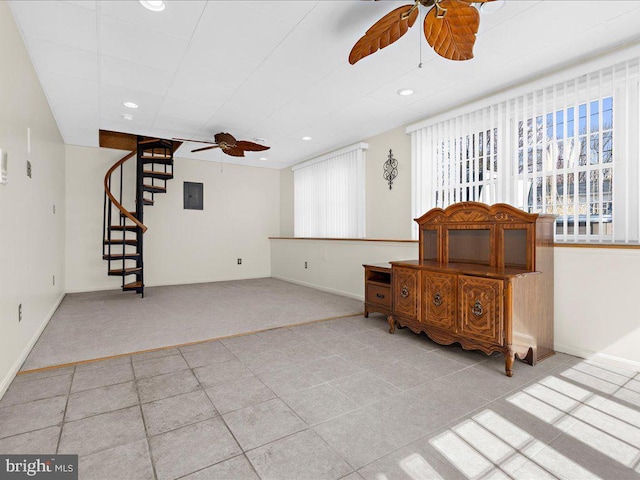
{"x":475,"y":212}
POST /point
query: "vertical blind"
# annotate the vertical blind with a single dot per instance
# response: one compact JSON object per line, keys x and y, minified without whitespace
{"x":570,"y":149}
{"x":329,"y":197}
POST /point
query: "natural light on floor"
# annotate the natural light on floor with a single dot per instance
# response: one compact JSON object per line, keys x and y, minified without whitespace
{"x":608,"y":426}
{"x":489,"y":446}
{"x":588,"y":403}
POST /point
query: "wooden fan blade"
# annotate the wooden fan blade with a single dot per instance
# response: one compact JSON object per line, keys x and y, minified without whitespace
{"x":190,"y":140}
{"x":450,"y":27}
{"x":204,"y":148}
{"x":234,"y":151}
{"x":384,"y":32}
{"x":452,"y":33}
{"x":224,"y":137}
{"x":250,"y":146}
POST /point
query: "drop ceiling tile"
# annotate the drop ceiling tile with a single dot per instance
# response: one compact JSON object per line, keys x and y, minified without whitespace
{"x":140,"y":45}
{"x":178,"y":18}
{"x":279,"y":81}
{"x":70,"y":94}
{"x":134,"y":77}
{"x":197,"y":112}
{"x":253,"y":36}
{"x":510,"y":10}
{"x":57,"y":22}
{"x":215,"y":66}
{"x":423,"y":81}
{"x":327,"y":97}
{"x":169,"y":123}
{"x":111,"y":105}
{"x":55,"y":58}
{"x":89,"y":4}
{"x":195,"y":90}
{"x":289,"y":12}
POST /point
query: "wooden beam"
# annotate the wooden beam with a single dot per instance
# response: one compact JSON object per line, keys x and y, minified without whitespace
{"x":124,"y":141}
{"x":119,"y":141}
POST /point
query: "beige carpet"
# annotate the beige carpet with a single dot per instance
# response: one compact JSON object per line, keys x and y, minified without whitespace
{"x":101,"y":324}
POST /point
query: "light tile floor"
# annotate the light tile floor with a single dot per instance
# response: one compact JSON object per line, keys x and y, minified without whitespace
{"x":330,"y":400}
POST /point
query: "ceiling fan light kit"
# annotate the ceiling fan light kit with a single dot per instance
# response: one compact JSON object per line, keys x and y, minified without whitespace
{"x":450,"y":27}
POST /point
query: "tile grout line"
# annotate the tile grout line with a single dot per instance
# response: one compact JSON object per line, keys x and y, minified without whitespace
{"x":222,"y":419}
{"x":144,"y":423}
{"x":64,"y":414}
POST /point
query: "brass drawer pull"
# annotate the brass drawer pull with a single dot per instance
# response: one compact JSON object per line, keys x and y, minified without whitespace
{"x":437,"y":299}
{"x":404,"y":293}
{"x":477,"y":309}
{"x":379,"y":295}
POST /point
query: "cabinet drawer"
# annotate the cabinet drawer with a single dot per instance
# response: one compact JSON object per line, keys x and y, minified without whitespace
{"x":480,"y":307}
{"x":379,"y":294}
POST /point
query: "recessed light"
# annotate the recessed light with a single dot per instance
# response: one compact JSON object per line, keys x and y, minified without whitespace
{"x":130,"y":104}
{"x":405,"y":92}
{"x":153,"y":5}
{"x":306,"y":139}
{"x":127,"y":116}
{"x":260,"y":140}
{"x":263,"y":158}
{"x":491,"y":7}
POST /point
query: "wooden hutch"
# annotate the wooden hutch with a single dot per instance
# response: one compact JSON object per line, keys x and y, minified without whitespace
{"x":484,"y":279}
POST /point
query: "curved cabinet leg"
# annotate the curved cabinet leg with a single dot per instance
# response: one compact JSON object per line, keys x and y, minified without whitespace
{"x":366,"y":312}
{"x":392,"y":324}
{"x":509,"y":357}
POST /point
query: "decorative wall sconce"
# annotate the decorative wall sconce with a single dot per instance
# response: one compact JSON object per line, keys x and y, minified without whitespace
{"x":390,"y":169}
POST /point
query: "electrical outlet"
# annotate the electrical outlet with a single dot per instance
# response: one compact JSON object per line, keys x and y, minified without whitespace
{"x":19,"y":312}
{"x":28,"y":169}
{"x":305,"y":264}
{"x":239,"y":261}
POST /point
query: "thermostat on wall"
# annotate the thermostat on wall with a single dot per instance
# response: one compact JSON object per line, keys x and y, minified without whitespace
{"x":3,"y":167}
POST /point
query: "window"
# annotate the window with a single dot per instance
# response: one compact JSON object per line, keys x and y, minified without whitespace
{"x":569,"y":149}
{"x":329,"y":195}
{"x":565,"y":167}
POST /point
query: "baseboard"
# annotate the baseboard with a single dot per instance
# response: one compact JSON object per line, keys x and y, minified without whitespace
{"x":320,"y":287}
{"x":603,"y":358}
{"x":6,"y":381}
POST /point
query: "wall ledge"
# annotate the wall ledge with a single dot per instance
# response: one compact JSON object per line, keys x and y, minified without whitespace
{"x":629,"y":246}
{"x":345,"y":239}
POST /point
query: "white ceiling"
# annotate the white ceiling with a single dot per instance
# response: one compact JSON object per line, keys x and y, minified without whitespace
{"x":278,"y":70}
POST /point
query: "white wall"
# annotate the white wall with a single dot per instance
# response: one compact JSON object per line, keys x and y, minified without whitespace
{"x":596,"y":304}
{"x":596,"y":308}
{"x":333,"y":265}
{"x":241,"y":210}
{"x":31,"y":235}
{"x":383,"y":205}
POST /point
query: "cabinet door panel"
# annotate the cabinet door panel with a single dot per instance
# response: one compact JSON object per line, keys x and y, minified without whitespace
{"x":439,"y":300}
{"x":406,"y":292}
{"x":480,"y":302}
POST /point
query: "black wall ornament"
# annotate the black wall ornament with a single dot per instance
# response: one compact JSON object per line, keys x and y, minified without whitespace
{"x":390,"y":169}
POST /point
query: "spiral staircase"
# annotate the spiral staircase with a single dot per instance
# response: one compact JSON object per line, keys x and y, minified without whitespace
{"x":123,"y":226}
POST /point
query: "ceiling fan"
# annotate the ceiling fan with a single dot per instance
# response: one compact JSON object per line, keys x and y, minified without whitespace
{"x":450,"y":27}
{"x":228,"y":144}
